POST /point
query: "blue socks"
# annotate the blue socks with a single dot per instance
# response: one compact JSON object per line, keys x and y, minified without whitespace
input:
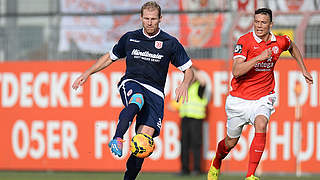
{"x":134,"y":165}
{"x":125,"y":118}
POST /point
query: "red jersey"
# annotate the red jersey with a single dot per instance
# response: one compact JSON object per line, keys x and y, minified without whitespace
{"x":258,"y":81}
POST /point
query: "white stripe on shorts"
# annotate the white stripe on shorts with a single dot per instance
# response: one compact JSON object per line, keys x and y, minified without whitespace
{"x":150,"y":88}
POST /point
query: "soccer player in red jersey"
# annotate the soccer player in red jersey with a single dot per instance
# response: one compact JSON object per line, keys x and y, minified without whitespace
{"x":252,"y":96}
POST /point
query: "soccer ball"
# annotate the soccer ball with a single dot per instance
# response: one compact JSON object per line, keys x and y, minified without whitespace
{"x":142,"y":145}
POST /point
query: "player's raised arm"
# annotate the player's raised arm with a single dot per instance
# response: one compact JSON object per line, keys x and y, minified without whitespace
{"x":295,"y":53}
{"x":103,"y":62}
{"x":182,"y":89}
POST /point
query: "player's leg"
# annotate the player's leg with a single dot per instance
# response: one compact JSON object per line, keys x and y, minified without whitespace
{"x":263,"y":110}
{"x":258,"y":144}
{"x":237,"y":117}
{"x":134,"y":164}
{"x":224,"y":147}
{"x":185,"y":146}
{"x":234,"y":130}
{"x":148,"y":121}
{"x":128,"y":113}
{"x":133,"y":100}
{"x":236,"y":114}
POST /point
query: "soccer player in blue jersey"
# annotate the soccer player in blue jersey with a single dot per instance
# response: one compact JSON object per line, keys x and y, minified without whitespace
{"x":148,"y":52}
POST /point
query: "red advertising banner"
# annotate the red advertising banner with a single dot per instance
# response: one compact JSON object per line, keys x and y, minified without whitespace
{"x":46,"y":125}
{"x":202,"y":30}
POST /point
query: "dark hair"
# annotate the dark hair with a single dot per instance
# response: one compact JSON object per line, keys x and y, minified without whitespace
{"x":151,"y":5}
{"x":265,"y":11}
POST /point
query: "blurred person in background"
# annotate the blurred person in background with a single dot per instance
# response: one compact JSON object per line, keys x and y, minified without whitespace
{"x":252,"y":96}
{"x":148,"y":52}
{"x":192,"y":115}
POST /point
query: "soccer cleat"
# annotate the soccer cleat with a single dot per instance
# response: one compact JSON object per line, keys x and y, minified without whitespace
{"x":252,"y":177}
{"x":116,"y":145}
{"x":213,"y":173}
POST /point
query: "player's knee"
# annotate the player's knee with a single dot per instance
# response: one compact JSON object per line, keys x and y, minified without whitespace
{"x":137,"y":99}
{"x":261,"y":128}
{"x":146,"y":130}
{"x":233,"y":135}
{"x":260,"y":124}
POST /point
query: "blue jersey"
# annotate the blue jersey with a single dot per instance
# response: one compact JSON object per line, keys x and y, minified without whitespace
{"x":148,"y":58}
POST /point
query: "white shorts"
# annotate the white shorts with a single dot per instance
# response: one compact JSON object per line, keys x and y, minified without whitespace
{"x":241,"y":112}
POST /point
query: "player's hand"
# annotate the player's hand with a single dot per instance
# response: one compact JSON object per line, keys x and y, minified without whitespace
{"x":79,"y":81}
{"x":266,"y":54}
{"x":182,"y":93}
{"x":308,"y":77}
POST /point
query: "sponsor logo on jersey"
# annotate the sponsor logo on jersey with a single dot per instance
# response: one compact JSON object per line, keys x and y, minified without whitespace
{"x":147,"y":54}
{"x":269,"y":59}
{"x":264,"y":66}
{"x":134,"y":40}
{"x":238,"y":48}
{"x":275,"y":49}
{"x":158,"y":44}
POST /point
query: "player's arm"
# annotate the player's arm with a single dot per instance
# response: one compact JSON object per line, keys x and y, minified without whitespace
{"x":182,"y":89}
{"x":103,"y":62}
{"x":241,"y":67}
{"x":295,"y":53}
{"x":199,"y":77}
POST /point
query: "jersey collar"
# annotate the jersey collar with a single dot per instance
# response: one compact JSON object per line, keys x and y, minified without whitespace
{"x":150,"y":36}
{"x":273,"y":37}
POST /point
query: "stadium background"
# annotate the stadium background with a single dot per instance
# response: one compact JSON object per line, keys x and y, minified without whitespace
{"x":45,"y":44}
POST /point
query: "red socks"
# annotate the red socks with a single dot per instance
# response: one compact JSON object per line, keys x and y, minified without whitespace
{"x":222,"y":152}
{"x":255,"y":153}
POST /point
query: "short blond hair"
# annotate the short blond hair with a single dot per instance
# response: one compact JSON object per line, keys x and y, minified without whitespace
{"x":151,"y":5}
